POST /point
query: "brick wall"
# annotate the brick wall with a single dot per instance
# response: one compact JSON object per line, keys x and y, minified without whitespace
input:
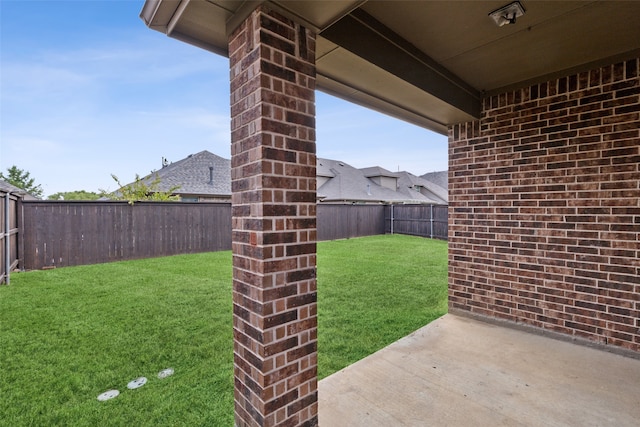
{"x":544,"y":224}
{"x":273,"y":175}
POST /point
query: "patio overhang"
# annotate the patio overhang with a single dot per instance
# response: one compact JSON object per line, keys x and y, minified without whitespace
{"x":428,"y":63}
{"x":542,"y":120}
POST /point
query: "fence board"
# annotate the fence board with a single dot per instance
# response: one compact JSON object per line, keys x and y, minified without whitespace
{"x":418,"y":220}
{"x":346,"y":221}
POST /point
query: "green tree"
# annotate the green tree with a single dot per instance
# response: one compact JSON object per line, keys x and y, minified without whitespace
{"x":75,"y":195}
{"x":139,"y":190}
{"x":22,"y":179}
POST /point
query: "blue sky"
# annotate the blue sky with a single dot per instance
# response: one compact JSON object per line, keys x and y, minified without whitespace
{"x":86,"y":90}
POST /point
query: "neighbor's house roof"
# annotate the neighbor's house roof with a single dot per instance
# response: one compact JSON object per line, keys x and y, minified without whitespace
{"x":193,"y":176}
{"x":347,"y":184}
{"x":440,"y":178}
{"x":6,"y":187}
{"x":342,"y":182}
{"x":438,"y":184}
{"x":377,"y":171}
{"x":419,"y":187}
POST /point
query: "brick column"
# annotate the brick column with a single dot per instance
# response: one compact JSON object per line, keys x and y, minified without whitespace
{"x":273,"y":175}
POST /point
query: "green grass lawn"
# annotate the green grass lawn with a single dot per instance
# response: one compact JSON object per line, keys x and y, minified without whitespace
{"x":68,"y":335}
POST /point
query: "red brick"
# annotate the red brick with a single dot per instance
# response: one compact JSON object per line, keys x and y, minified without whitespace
{"x":273,"y":166}
{"x":552,"y":204}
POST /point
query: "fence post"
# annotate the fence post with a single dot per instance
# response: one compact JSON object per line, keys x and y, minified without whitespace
{"x":391,"y":218}
{"x":431,"y":220}
{"x":7,"y":240}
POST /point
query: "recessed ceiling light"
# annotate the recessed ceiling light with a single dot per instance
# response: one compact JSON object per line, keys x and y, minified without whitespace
{"x":507,"y":14}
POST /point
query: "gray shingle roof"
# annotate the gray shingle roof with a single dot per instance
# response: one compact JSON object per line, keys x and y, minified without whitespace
{"x":193,"y":176}
{"x":352,"y":185}
{"x":323,"y":168}
{"x":416,"y":186}
{"x":377,"y":171}
{"x":344,"y":183}
{"x":440,"y":178}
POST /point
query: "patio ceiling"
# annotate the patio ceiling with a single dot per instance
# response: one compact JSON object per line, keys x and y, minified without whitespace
{"x":426,"y":62}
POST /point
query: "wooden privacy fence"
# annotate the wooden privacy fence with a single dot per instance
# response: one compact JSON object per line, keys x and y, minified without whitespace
{"x":346,"y":221}
{"x":9,"y":234}
{"x":59,"y":233}
{"x":418,"y":220}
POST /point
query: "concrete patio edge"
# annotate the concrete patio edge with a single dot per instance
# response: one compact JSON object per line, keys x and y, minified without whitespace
{"x":547,"y":333}
{"x":459,"y":371}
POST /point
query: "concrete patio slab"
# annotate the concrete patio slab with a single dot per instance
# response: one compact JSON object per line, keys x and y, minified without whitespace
{"x":458,"y":371}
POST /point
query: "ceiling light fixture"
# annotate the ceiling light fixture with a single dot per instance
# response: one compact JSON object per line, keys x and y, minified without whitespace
{"x":507,"y":14}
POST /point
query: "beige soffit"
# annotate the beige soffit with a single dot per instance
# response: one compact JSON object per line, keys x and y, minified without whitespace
{"x":427,"y":62}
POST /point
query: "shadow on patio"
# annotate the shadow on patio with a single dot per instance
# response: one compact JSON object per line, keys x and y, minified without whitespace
{"x":458,"y":371}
